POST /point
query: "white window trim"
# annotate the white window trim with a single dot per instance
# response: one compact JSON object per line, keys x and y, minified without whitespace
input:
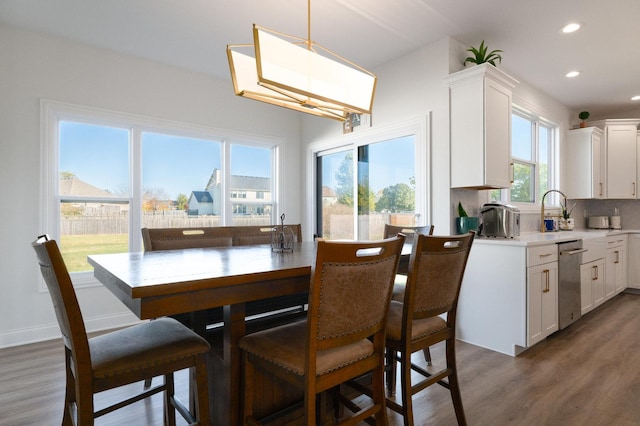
{"x":527,"y":109}
{"x":420,"y":127}
{"x":52,"y":112}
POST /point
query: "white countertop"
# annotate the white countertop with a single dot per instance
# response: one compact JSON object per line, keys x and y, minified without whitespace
{"x":540,"y":238}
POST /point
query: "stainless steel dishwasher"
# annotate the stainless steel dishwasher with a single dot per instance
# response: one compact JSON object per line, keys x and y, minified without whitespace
{"x":569,"y":295}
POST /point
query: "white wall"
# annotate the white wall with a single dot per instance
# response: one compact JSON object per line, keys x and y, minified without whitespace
{"x":33,"y":67}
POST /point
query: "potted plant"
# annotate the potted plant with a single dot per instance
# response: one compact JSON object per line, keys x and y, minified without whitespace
{"x":566,"y":221}
{"x":584,"y":116}
{"x":464,"y":223}
{"x":480,"y":55}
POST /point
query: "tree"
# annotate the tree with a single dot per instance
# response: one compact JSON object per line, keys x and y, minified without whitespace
{"x":344,"y":178}
{"x":397,"y":198}
{"x":182,"y":202}
{"x":154,"y":199}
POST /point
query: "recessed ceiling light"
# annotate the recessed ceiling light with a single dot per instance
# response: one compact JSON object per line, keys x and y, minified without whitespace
{"x":571,"y":28}
{"x":572,"y":74}
{"x":635,"y":98}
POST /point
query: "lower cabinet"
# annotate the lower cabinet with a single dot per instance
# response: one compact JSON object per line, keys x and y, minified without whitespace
{"x":615,"y":265}
{"x":542,"y":292}
{"x":592,"y":277}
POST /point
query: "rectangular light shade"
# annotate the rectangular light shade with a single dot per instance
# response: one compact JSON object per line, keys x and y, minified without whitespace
{"x":292,"y":76}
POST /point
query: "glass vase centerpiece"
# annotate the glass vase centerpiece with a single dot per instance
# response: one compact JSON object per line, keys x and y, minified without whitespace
{"x":281,"y":237}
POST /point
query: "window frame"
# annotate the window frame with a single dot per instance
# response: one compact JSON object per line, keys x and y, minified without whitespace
{"x":419,"y":127}
{"x":53,"y":112}
{"x":553,"y":152}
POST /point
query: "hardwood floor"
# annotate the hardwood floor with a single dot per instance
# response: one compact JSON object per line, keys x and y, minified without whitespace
{"x":588,"y":373}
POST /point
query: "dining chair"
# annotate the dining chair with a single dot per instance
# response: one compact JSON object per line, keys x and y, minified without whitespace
{"x":125,"y":356}
{"x":401,"y":278}
{"x":342,"y":336}
{"x":436,"y":269}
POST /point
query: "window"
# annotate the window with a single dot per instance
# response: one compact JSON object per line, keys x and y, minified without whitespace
{"x":533,"y":154}
{"x":373,"y":181}
{"x":107,"y":175}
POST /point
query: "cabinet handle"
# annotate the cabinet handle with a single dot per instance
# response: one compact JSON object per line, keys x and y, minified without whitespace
{"x":617,"y":256}
{"x":511,"y":178}
{"x":634,"y":188}
{"x":546,"y":278}
{"x":594,"y":273}
{"x":600,"y":188}
{"x":545,"y":255}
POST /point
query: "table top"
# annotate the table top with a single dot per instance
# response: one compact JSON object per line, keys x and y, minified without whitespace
{"x":174,"y":271}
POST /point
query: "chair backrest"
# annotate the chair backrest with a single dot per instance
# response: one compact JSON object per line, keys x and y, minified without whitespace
{"x":436,"y":269}
{"x":63,"y":296}
{"x":181,"y":238}
{"x":350,"y":290}
{"x":408,"y":231}
{"x":253,"y":235}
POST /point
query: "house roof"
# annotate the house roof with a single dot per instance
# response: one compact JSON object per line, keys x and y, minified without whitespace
{"x":202,"y":196}
{"x":251,"y":183}
{"x":71,"y":185}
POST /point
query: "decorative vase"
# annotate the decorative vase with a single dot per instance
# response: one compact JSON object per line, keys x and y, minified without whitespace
{"x":583,"y":124}
{"x":466,"y":224}
{"x":566,"y":224}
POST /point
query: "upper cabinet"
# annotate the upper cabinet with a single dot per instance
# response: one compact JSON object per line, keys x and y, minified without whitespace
{"x":620,"y":139}
{"x":480,"y":127}
{"x":583,"y":168}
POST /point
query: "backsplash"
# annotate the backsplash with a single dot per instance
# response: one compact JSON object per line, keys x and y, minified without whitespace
{"x":629,"y":210}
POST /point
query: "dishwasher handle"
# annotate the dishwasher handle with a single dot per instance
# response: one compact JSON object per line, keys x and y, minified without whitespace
{"x":576,"y":251}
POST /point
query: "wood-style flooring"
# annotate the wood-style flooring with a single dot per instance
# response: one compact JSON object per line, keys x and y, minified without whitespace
{"x":587,"y":374}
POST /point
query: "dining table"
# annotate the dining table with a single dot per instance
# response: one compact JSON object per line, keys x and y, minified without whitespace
{"x":162,"y":283}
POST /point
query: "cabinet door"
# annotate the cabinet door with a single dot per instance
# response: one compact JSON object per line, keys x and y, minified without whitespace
{"x":542,"y":281}
{"x":597,"y":283}
{"x":583,"y":167}
{"x":587,"y":274}
{"x":498,"y":135}
{"x":621,"y":161}
{"x":610,"y":272}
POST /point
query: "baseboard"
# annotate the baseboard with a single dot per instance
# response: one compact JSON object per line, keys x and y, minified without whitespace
{"x":43,"y":333}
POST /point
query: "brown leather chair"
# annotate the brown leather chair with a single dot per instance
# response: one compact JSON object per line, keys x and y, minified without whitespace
{"x":343,"y":335}
{"x":401,"y":278}
{"x":436,"y":269}
{"x":125,"y":356}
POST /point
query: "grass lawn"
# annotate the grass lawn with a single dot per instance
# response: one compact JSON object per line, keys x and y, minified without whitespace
{"x":75,"y":248}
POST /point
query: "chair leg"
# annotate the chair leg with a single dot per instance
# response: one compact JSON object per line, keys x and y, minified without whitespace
{"x":391,"y":370}
{"x":427,"y":356}
{"x":379,"y":397}
{"x":169,"y":409}
{"x":202,"y":389}
{"x":405,"y":384}
{"x":454,"y":386}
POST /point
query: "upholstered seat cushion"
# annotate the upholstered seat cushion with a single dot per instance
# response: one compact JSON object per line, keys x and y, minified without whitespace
{"x":142,"y":346}
{"x":420,"y":328}
{"x":285,"y":346}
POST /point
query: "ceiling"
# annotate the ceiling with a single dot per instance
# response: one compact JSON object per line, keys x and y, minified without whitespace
{"x":194,"y":33}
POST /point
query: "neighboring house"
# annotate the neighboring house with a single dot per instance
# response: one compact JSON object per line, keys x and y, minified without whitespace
{"x":71,"y":185}
{"x":249,"y":194}
{"x":329,"y":196}
{"x":200,"y":203}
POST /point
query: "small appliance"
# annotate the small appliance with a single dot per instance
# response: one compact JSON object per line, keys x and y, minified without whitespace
{"x":598,"y":222}
{"x":499,"y":221}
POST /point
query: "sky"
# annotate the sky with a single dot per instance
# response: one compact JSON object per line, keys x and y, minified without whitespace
{"x":99,"y":156}
{"x":173,"y":165}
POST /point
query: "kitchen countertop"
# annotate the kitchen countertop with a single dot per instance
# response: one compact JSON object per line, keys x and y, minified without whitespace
{"x":530,"y":239}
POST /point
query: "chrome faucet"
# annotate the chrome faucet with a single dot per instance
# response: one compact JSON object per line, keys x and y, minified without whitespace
{"x":542,"y":227}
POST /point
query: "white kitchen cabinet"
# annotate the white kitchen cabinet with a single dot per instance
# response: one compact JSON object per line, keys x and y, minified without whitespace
{"x":542,"y":293}
{"x":616,"y":265}
{"x":592,"y":275}
{"x":621,"y":140}
{"x":583,"y":167}
{"x":480,"y":127}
